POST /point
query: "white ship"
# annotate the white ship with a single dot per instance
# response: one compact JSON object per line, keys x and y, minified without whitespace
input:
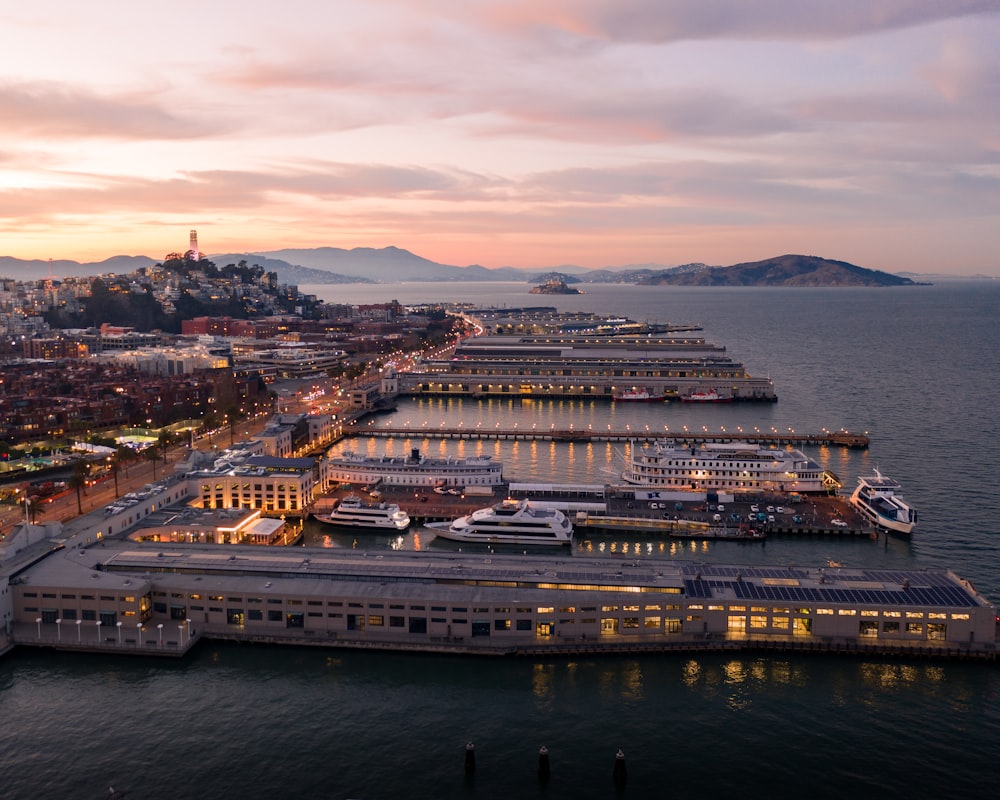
{"x":730,"y":466}
{"x":875,"y":497}
{"x":414,"y":470}
{"x":353,"y":512}
{"x":509,"y":522}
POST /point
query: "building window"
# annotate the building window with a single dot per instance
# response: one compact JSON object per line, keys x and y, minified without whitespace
{"x":609,"y":626}
{"x":868,"y":628}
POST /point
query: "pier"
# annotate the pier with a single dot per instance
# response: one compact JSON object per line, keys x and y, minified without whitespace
{"x":826,"y":438}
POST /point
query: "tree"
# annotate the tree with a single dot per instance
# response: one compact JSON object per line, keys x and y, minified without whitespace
{"x":77,"y":480}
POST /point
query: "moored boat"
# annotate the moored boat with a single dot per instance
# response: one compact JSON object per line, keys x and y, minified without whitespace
{"x":509,"y":522}
{"x":706,"y":396}
{"x":353,"y":512}
{"x":635,"y":395}
{"x":875,"y":497}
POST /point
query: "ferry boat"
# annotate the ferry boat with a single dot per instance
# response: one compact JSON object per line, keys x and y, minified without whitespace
{"x":353,"y":512}
{"x":414,"y":470}
{"x":709,"y":396}
{"x":875,"y":497}
{"x":509,"y":522}
{"x":726,"y":466}
{"x":634,"y":395}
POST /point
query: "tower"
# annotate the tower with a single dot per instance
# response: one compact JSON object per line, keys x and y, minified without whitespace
{"x":193,"y":249}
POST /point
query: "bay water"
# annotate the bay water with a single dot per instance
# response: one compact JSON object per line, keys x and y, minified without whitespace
{"x":913,"y":367}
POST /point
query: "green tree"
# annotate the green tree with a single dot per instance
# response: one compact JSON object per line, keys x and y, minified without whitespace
{"x":78,"y":480}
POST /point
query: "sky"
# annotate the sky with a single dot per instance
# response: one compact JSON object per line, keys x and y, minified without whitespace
{"x":527,"y":133}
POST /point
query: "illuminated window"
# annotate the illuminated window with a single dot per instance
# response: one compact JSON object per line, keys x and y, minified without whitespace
{"x":937,"y":630}
{"x":868,"y":628}
{"x":609,"y":625}
{"x":758,"y":621}
{"x":651,"y":622}
{"x":847,"y":612}
{"x":609,"y":608}
{"x":868,"y":613}
{"x":915,"y":628}
{"x":959,"y":616}
{"x":737,"y":623}
{"x":914,"y":614}
{"x":541,"y":610}
{"x":781,"y":623}
{"x":824,"y":611}
{"x":892,"y":614}
{"x":737,"y":608}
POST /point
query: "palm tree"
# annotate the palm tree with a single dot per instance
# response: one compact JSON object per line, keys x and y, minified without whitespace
{"x":77,"y":480}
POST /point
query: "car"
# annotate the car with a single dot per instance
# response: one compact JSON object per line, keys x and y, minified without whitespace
{"x":770,"y":518}
{"x":839,"y":523}
{"x":779,"y":509}
{"x":770,"y":509}
{"x":716,"y":518}
{"x":654,"y":505}
{"x":797,"y":519}
{"x":755,"y":508}
{"x":720,"y":507}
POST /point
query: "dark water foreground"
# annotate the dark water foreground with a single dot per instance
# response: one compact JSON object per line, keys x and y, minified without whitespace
{"x":252,"y":722}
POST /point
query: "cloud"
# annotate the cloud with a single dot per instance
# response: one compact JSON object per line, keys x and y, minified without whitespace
{"x":62,"y":111}
{"x":680,"y":20}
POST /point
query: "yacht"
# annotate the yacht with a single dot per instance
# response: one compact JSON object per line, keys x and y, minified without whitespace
{"x":875,"y":497}
{"x":727,"y":466}
{"x":353,"y":512}
{"x":509,"y":522}
{"x":709,"y":396}
{"x":635,"y":395}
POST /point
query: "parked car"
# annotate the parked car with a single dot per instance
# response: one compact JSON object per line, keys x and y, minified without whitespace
{"x":839,"y":523}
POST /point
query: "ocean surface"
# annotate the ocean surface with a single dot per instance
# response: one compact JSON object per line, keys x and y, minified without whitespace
{"x":913,"y":367}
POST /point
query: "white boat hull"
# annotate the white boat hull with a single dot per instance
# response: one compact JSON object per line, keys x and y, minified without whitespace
{"x":368,"y":524}
{"x":445,"y":531}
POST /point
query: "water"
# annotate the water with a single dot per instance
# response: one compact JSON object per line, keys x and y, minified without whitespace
{"x":913,"y":367}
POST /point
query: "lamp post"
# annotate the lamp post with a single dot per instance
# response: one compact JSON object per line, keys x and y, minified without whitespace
{"x":119,"y":626}
{"x":59,"y":629}
{"x":98,"y":631}
{"x":79,"y":622}
{"x":159,"y":630}
{"x":180,"y":633}
{"x":188,"y":623}
{"x":138,"y":634}
{"x":38,"y":622}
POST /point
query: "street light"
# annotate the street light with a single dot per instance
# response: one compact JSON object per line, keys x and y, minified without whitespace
{"x":119,"y":626}
{"x":98,"y":631}
{"x":79,"y":622}
{"x":138,"y":634}
{"x":38,"y":622}
{"x":59,"y":629}
{"x":159,"y":630}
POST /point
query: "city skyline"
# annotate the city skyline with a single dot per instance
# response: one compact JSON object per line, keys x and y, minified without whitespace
{"x":507,"y":133}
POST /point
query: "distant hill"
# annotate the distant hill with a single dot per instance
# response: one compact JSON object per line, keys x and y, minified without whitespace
{"x":393,"y":264}
{"x":787,"y":270}
{"x":389,"y":264}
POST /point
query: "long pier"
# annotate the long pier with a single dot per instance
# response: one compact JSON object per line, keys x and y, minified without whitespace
{"x":827,"y":438}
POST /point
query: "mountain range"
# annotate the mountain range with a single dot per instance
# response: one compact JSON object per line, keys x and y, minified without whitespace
{"x":392,"y":264}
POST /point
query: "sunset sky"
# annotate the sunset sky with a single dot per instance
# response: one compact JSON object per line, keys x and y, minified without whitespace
{"x":526,"y":133}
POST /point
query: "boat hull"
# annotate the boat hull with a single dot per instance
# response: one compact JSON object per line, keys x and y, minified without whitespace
{"x":445,"y":531}
{"x":881,"y":521}
{"x":363,"y":524}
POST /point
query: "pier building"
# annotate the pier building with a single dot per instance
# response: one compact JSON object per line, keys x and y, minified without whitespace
{"x":585,"y":365}
{"x":489,"y":604}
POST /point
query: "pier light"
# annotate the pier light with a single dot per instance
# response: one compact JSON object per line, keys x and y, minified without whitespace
{"x":180,"y":633}
{"x":159,"y":631}
{"x":119,"y":626}
{"x":38,"y":622}
{"x":138,"y":634}
{"x":79,"y":622}
{"x":59,"y":629}
{"x":98,"y":626}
